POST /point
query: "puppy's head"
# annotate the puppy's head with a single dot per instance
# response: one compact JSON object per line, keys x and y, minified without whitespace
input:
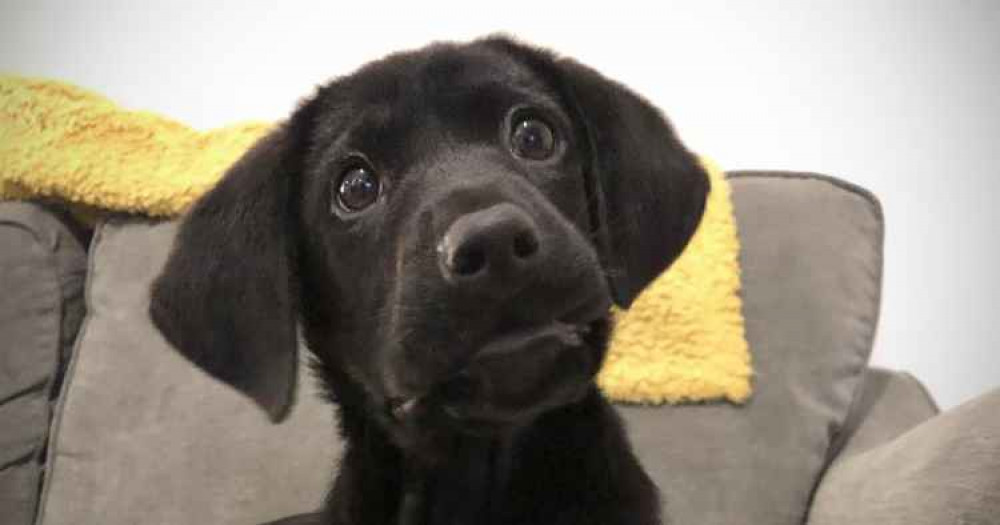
{"x":449,"y":227}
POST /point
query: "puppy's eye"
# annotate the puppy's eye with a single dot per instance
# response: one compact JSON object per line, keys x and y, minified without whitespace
{"x":532,"y":138}
{"x":358,"y":189}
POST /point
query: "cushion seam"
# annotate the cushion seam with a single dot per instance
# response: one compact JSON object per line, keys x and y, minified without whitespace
{"x":809,"y":175}
{"x":55,"y":297}
{"x":67,"y":384}
{"x":857,"y":380}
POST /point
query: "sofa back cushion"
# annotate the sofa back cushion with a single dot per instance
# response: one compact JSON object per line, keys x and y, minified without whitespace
{"x":145,"y":437}
{"x":812,"y":262}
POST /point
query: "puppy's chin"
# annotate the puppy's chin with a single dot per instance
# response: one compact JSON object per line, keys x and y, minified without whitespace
{"x":504,"y":386}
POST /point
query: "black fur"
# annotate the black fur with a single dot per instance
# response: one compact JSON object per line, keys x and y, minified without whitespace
{"x":464,"y":396}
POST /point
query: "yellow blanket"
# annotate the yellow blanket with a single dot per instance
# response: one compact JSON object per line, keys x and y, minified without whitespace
{"x":682,"y":339}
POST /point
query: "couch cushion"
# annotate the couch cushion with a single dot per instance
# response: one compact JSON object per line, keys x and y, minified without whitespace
{"x":144,"y":437}
{"x":42,"y":269}
{"x":812,"y":261}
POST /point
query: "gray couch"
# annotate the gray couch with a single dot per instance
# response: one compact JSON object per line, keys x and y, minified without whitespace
{"x":100,"y":423}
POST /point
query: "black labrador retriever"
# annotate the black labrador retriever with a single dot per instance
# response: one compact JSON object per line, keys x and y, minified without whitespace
{"x":449,"y":227}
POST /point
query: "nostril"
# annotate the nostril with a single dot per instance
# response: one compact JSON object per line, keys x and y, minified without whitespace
{"x":525,"y":245}
{"x":467,"y":260}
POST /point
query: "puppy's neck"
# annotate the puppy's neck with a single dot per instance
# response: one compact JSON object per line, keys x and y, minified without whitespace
{"x":467,"y":487}
{"x":573,"y":464}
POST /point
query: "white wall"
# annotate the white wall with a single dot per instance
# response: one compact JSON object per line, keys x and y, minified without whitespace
{"x":900,"y":97}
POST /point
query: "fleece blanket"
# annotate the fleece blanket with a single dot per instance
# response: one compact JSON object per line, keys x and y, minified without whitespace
{"x":681,"y":340}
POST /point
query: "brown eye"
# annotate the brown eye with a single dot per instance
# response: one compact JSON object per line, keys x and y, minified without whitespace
{"x":358,"y":188}
{"x":533,"y":139}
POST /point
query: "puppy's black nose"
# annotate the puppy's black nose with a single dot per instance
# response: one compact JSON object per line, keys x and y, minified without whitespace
{"x":491,"y":249}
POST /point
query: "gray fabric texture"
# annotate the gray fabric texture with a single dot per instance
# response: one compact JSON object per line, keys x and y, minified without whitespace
{"x":889,"y":404}
{"x":42,"y":269}
{"x":811,"y":260}
{"x":145,"y":437}
{"x":945,"y":471}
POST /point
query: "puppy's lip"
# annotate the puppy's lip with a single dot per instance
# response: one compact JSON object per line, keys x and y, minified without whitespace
{"x":520,"y":374}
{"x":556,"y":334}
{"x":573,"y":328}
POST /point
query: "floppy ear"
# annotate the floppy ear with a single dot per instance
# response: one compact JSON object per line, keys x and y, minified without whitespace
{"x":226,"y":298}
{"x":648,"y":191}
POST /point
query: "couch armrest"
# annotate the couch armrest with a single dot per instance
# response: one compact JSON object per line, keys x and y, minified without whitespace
{"x":945,"y":470}
{"x":888,"y":404}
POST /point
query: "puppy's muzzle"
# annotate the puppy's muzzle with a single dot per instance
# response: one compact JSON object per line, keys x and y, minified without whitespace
{"x":509,"y":315}
{"x":492,"y":251}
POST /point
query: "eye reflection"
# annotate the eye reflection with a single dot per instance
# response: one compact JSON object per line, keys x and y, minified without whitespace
{"x":358,"y":189}
{"x":533,"y":139}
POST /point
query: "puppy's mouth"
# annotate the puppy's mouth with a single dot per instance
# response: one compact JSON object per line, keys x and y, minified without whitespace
{"x":511,"y":379}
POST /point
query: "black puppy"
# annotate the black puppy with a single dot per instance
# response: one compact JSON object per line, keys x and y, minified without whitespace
{"x":449,"y":227}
